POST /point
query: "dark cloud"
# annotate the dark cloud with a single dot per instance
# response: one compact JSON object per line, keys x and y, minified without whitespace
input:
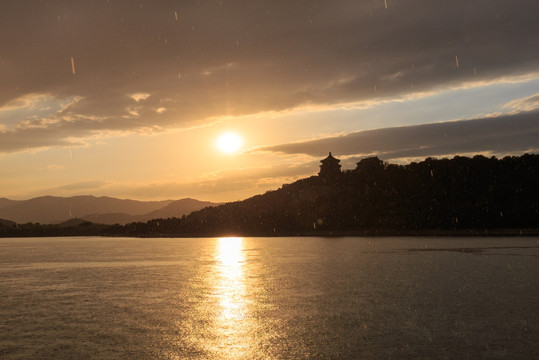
{"x":497,"y":135}
{"x":210,"y":58}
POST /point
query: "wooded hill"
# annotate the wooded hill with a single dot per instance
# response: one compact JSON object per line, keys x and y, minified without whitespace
{"x":472,"y":194}
{"x":462,"y":195}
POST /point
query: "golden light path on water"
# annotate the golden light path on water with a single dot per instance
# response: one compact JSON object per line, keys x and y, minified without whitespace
{"x":232,"y":325}
{"x":231,"y":283}
{"x":225,"y":297}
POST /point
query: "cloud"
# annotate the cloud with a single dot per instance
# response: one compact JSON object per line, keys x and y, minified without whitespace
{"x":28,"y":101}
{"x":139,"y":96}
{"x":499,"y":135}
{"x":235,"y":58}
{"x":529,"y":103}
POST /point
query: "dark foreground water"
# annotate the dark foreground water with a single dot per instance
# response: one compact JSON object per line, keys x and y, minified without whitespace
{"x":269,"y":298}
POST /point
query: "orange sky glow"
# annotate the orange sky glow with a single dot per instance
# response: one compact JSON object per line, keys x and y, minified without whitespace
{"x":130,"y":99}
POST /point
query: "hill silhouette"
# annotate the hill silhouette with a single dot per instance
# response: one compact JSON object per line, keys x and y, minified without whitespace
{"x":460,"y":194}
{"x":52,"y":209}
{"x":476,"y":196}
{"x":102,"y":210}
{"x":7,"y":223}
{"x":172,"y":209}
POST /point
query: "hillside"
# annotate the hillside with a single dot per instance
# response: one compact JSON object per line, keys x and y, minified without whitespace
{"x":7,"y":223}
{"x":112,"y":218}
{"x":105,"y":210}
{"x":6,"y":203}
{"x":176,"y":208}
{"x":473,"y":194}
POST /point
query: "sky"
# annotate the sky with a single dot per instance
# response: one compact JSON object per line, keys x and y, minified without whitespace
{"x":129,"y":98}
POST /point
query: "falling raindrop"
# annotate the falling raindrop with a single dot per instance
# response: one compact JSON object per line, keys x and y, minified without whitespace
{"x":176,"y":15}
{"x":474,"y":72}
{"x":385,"y":4}
{"x":73,"y":65}
{"x":457,"y":60}
{"x":179,"y":76}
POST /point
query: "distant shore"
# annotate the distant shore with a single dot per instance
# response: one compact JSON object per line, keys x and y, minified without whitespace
{"x":374,"y":233}
{"x":353,"y":233}
{"x":435,"y":232}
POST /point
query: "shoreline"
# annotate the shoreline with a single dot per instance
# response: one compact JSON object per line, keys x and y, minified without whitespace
{"x":367,"y":233}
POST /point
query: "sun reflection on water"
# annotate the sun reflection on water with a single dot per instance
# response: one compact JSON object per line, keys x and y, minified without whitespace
{"x":232,"y":327}
{"x":230,"y":285}
{"x":221,"y":321}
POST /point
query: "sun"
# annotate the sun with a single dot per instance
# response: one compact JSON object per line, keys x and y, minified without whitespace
{"x":229,"y":142}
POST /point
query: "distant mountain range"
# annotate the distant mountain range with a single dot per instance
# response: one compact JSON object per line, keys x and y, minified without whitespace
{"x":101,"y":210}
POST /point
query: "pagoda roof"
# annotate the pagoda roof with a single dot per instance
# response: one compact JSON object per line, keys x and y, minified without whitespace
{"x":330,"y":159}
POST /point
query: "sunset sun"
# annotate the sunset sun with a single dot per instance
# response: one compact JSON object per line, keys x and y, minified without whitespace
{"x":229,"y":142}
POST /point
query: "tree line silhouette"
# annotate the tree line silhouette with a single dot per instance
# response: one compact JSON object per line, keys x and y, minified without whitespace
{"x":463,"y":195}
{"x":446,"y":194}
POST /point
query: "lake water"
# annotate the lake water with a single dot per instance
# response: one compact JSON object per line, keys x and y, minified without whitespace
{"x":269,"y":298}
